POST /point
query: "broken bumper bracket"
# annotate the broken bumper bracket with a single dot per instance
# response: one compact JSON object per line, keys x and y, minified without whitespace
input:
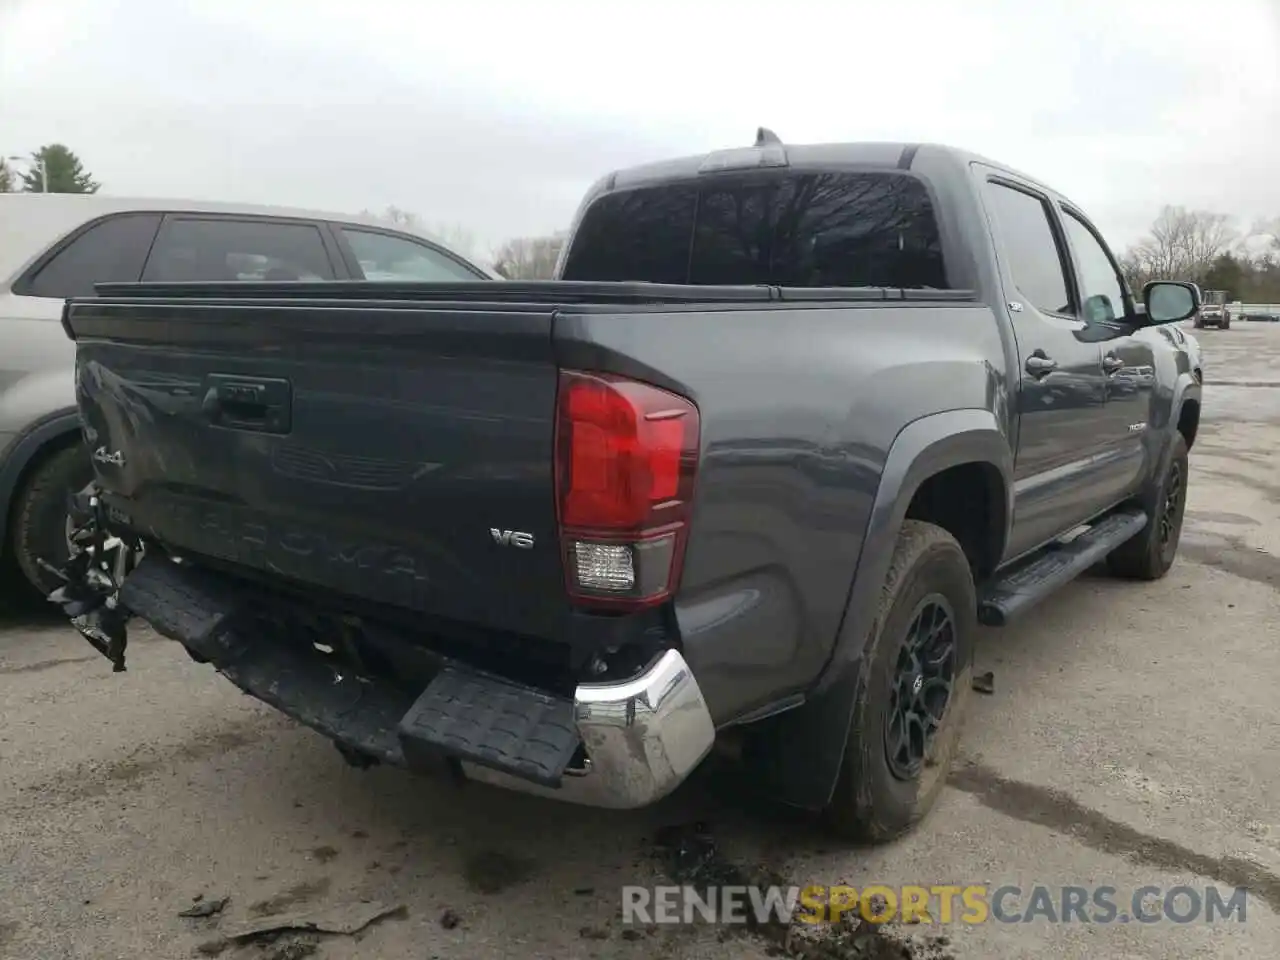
{"x":621,"y":744}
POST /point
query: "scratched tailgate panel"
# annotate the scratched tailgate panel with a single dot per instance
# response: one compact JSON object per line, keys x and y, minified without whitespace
{"x":367,"y":450}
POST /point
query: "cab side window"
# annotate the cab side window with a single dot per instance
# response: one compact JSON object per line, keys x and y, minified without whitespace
{"x":1100,"y":287}
{"x":221,"y":248}
{"x":1026,"y":238}
{"x":111,"y":250}
{"x":385,"y":257}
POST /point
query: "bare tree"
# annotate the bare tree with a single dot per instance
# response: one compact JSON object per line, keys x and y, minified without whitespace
{"x":393,"y":216}
{"x":1183,"y":245}
{"x":6,"y":177}
{"x":529,"y":258}
{"x":455,"y":236}
{"x":1266,"y":230}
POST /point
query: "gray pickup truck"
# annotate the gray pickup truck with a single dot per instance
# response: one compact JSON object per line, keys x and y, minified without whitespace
{"x":791,"y":423}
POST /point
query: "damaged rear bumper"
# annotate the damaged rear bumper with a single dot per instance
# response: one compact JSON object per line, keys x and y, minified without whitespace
{"x":619,"y":744}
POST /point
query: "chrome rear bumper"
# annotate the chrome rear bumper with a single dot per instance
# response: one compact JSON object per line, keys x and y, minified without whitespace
{"x":642,"y":737}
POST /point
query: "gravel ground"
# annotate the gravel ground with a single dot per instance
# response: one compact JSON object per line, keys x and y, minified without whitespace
{"x":1130,"y":740}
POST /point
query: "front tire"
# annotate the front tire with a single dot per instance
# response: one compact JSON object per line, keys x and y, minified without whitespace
{"x":1150,"y":554}
{"x":912,"y":689}
{"x":40,"y":514}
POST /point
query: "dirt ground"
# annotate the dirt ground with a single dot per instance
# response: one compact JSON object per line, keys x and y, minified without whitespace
{"x":1131,"y":739}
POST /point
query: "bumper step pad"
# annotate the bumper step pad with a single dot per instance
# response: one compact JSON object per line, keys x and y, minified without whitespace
{"x":491,"y":722}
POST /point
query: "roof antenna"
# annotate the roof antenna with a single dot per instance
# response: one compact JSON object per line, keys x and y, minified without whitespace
{"x":766,"y":137}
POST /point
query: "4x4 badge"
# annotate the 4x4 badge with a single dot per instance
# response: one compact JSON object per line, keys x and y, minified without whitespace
{"x":115,"y":457}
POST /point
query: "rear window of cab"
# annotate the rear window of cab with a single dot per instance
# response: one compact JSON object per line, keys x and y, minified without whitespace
{"x":795,"y":229}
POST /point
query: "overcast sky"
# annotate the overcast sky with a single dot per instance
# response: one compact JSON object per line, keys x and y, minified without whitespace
{"x":498,"y":115}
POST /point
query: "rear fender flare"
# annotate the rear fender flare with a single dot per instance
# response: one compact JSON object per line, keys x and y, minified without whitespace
{"x":24,"y":450}
{"x":806,"y":778}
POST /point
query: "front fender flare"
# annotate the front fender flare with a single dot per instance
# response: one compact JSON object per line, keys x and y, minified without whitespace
{"x":806,"y":776}
{"x":1185,"y":389}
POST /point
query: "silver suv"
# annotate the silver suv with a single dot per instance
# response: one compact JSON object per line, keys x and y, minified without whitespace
{"x":54,"y":246}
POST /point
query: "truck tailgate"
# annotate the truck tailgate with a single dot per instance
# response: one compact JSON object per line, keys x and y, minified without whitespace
{"x":396,"y":452}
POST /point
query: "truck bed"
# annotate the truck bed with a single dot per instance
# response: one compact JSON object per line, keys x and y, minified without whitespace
{"x":391,"y":448}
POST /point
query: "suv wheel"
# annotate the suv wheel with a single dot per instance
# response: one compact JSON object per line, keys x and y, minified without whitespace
{"x":914,"y":686}
{"x":39,"y":530}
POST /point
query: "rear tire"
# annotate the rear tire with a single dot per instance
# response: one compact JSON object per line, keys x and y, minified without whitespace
{"x":40,"y":514}
{"x":1150,"y":554}
{"x":888,"y":783}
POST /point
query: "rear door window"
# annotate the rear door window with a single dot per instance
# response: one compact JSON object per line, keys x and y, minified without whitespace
{"x":796,"y":229}
{"x":111,"y":250}
{"x":383,"y":256}
{"x":219,"y":249}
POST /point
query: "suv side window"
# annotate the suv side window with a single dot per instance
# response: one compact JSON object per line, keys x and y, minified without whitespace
{"x":1027,"y":241}
{"x":213,"y":249}
{"x":385,"y":257}
{"x":1099,"y":282}
{"x":113,"y":249}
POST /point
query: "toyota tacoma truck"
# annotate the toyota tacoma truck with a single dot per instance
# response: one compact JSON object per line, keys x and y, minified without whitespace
{"x":789,"y":424}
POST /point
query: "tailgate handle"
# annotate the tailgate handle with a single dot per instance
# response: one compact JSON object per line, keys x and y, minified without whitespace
{"x":248,"y":403}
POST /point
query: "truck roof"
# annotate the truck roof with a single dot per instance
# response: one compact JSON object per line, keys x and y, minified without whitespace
{"x":888,"y":154}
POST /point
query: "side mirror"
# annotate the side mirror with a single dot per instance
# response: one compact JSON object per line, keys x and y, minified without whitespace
{"x":1170,"y":301}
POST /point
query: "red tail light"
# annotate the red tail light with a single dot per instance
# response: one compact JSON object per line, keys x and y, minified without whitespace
{"x":626,"y":455}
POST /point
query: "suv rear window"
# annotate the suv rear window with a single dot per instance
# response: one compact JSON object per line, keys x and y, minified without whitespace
{"x":795,"y":229}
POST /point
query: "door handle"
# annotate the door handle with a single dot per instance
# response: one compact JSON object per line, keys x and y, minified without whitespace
{"x":248,"y":403}
{"x":1038,"y":365}
{"x":1112,"y":364}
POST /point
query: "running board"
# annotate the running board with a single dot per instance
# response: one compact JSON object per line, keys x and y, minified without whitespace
{"x":1054,"y":567}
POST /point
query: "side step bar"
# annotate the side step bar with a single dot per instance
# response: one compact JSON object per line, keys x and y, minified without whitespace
{"x":1030,"y":582}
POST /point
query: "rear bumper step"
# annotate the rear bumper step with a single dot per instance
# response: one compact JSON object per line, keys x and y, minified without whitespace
{"x":1030,"y":582}
{"x":641,"y":737}
{"x":491,"y":722}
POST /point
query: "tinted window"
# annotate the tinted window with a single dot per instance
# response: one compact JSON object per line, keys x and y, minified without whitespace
{"x":733,"y":238}
{"x":1026,"y":239}
{"x":195,"y":249}
{"x":112,"y":250}
{"x":820,"y":230}
{"x":635,"y":235}
{"x":384,"y":257}
{"x":803,"y":230}
{"x":1099,"y":282}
